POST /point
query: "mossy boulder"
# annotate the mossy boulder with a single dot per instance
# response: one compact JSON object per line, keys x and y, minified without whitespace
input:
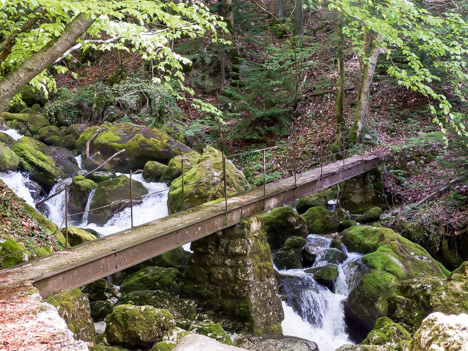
{"x":80,"y":188}
{"x":174,"y":167}
{"x":325,"y":275}
{"x":154,"y":278}
{"x":100,"y":309}
{"x":347,"y":223}
{"x":99,"y":177}
{"x":210,"y":329}
{"x":289,"y":256}
{"x":20,"y":117}
{"x":114,"y":192}
{"x":321,"y":221}
{"x":170,"y":340}
{"x":8,"y":159}
{"x":5,"y":139}
{"x":390,"y":259}
{"x":320,"y":199}
{"x":177,"y":258}
{"x":153,"y":171}
{"x":8,"y":247}
{"x":363,"y":192}
{"x":204,"y":182}
{"x":441,"y":332}
{"x":49,"y":135}
{"x":417,"y":298}
{"x":77,"y":236}
{"x":73,"y":306}
{"x":371,"y":215}
{"x":37,"y":122}
{"x":281,"y":223}
{"x":101,"y":289}
{"x":141,"y":145}
{"x":180,"y":308}
{"x":45,"y":165}
{"x":71,"y":135}
{"x":137,"y":326}
{"x":386,"y":332}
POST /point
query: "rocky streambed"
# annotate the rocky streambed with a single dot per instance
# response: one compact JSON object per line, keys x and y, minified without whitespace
{"x":352,"y":280}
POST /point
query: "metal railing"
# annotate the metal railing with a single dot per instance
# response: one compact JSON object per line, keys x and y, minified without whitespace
{"x":319,"y":161}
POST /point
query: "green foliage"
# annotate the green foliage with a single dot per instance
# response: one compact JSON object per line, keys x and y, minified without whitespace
{"x":262,"y":100}
{"x":425,"y":44}
{"x":147,"y":27}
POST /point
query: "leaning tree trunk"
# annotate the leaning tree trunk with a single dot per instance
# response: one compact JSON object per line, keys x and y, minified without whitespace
{"x":280,"y":8}
{"x":16,"y":80}
{"x":368,"y":65}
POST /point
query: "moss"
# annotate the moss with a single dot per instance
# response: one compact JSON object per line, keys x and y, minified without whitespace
{"x":289,"y":256}
{"x":6,"y":139}
{"x":105,"y":348}
{"x":36,"y":122}
{"x":281,"y":223}
{"x":348,"y":223}
{"x":174,"y":167}
{"x":42,"y":251}
{"x":153,"y":171}
{"x":50,"y":135}
{"x":212,"y":330}
{"x":371,"y":215}
{"x":77,"y":236}
{"x":321,"y":221}
{"x":9,"y":161}
{"x":23,"y":117}
{"x":153,"y":278}
{"x":163,"y":346}
{"x":385,"y":332}
{"x":320,"y":199}
{"x":8,"y":247}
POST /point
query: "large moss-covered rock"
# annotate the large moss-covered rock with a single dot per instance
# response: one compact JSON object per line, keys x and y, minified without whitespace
{"x":170,"y":339}
{"x":21,"y":117}
{"x":6,"y":139}
{"x":141,"y":145}
{"x":100,"y":309}
{"x":325,"y":275}
{"x":80,"y":188}
{"x":45,"y":165}
{"x":390,"y":259}
{"x":289,"y":256}
{"x":77,"y":236}
{"x":179,"y":307}
{"x":114,"y":191}
{"x":174,"y":167}
{"x":204,"y":182}
{"x":386,"y":332}
{"x":49,"y":135}
{"x":441,"y":332}
{"x":36,"y":122}
{"x":153,"y":171}
{"x":321,"y":221}
{"x":154,"y":278}
{"x":210,"y":329}
{"x":73,"y":306}
{"x":416,"y":298}
{"x":320,"y":198}
{"x":12,"y":253}
{"x":8,"y":159}
{"x":371,"y":215}
{"x":137,"y":326}
{"x":281,"y":223}
{"x":232,"y":274}
{"x":363,"y":192}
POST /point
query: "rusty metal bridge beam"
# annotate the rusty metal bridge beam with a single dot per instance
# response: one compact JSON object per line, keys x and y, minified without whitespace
{"x":112,"y":260}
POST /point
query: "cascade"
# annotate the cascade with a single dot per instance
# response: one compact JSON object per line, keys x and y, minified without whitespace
{"x":13,"y":133}
{"x":311,"y":310}
{"x":84,"y":221}
{"x":20,"y":184}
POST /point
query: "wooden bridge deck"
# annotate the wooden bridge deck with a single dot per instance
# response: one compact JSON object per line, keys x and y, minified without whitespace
{"x":88,"y":262}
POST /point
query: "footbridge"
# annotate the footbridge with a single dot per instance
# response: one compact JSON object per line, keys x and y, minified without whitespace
{"x":88,"y":262}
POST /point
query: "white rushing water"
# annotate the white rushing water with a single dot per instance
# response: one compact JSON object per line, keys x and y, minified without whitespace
{"x":20,"y":184}
{"x":314,"y":312}
{"x":13,"y":133}
{"x":153,"y":207}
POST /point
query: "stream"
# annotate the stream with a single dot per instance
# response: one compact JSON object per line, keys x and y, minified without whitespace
{"x":311,"y":310}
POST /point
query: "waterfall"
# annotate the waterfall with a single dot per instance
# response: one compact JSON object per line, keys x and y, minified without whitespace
{"x":20,"y":184}
{"x":311,"y":310}
{"x":55,"y":207}
{"x":84,"y":222}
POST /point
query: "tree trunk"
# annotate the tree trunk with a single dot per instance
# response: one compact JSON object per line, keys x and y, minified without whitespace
{"x":280,"y":8}
{"x":340,"y":122}
{"x":16,"y":80}
{"x":368,"y":65}
{"x":298,"y":19}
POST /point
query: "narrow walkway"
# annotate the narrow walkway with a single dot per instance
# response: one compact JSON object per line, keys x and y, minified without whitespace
{"x":86,"y":263}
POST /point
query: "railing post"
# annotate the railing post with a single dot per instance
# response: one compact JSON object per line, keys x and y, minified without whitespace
{"x":294,"y":165}
{"x":343,"y":144}
{"x":321,"y":161}
{"x":264,"y":175}
{"x":66,"y":216}
{"x":183,"y":186}
{"x":131,"y":200}
{"x":225,"y":184}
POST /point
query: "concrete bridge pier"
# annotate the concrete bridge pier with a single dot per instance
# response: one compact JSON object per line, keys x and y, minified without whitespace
{"x":232,"y":273}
